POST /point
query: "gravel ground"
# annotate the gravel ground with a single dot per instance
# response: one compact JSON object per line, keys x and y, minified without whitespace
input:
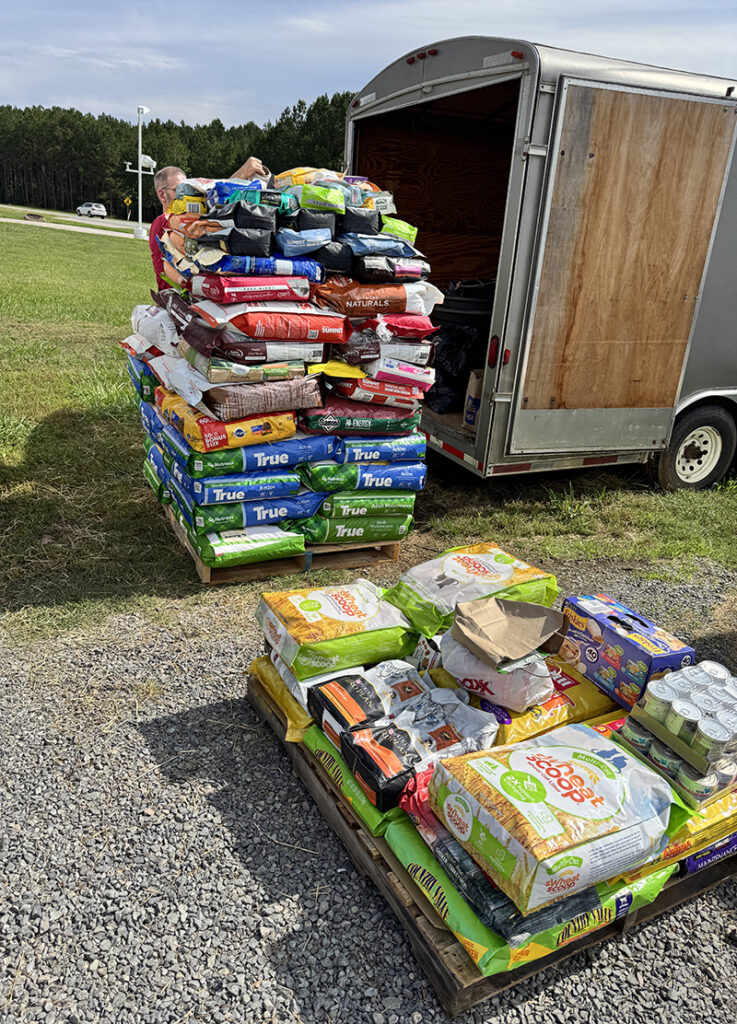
{"x":162,"y":864}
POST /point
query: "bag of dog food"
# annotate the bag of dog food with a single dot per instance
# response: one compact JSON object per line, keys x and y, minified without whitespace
{"x":238,"y":515}
{"x":343,"y":417}
{"x":358,"y":221}
{"x":245,"y":215}
{"x":335,"y":258}
{"x":157,"y":327}
{"x":206,"y":434}
{"x":386,"y":753}
{"x":278,"y":321}
{"x":319,"y":530}
{"x":345,"y":295}
{"x":250,"y":289}
{"x":358,"y":698}
{"x":361,"y":348}
{"x":224,"y":371}
{"x":156,"y":483}
{"x":236,"y":487}
{"x":242,"y":546}
{"x":298,"y":243}
{"x":252,"y":459}
{"x":380,"y":245}
{"x":398,"y":229}
{"x":298,"y":720}
{"x":550,"y":816}
{"x":390,"y":268}
{"x":429,"y":592}
{"x":317,"y":629}
{"x":346,"y":504}
{"x":517,"y":687}
{"x":225,"y":344}
{"x":309,"y":220}
{"x":236,"y":401}
{"x":330,"y":760}
{"x":378,"y":392}
{"x":238,"y":241}
{"x":399,"y":325}
{"x":352,"y":476}
{"x":154,"y":423}
{"x":410,"y":448}
{"x":317,"y":197}
{"x":143,"y":378}
{"x":209,"y":260}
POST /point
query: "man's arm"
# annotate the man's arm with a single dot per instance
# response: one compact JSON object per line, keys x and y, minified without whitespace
{"x":250,"y":169}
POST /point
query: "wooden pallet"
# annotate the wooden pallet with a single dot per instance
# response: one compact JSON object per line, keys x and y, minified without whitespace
{"x":456,"y":980}
{"x":316,"y":556}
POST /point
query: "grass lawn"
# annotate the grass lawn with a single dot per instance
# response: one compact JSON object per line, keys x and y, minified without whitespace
{"x":14,"y":213}
{"x":82,"y":536}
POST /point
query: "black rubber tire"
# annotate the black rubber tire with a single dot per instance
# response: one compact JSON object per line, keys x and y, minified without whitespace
{"x":663,"y":466}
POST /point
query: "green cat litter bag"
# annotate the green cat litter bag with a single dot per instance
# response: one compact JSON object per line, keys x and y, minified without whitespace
{"x":317,"y":530}
{"x":429,"y":592}
{"x":244,"y":546}
{"x":332,"y":763}
{"x":364,"y":503}
{"x":491,"y":954}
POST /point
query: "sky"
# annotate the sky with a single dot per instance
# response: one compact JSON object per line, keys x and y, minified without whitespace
{"x":240,"y":62}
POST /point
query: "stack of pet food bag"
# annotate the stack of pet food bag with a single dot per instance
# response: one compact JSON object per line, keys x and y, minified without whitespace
{"x":465,"y":721}
{"x":281,"y":377}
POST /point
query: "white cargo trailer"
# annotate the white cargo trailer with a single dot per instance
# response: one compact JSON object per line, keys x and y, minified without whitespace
{"x":600,"y":197}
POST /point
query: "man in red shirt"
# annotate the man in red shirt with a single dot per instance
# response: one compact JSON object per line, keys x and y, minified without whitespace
{"x":165,"y":183}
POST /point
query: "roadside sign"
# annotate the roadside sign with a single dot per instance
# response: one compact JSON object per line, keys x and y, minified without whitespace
{"x":127,"y":200}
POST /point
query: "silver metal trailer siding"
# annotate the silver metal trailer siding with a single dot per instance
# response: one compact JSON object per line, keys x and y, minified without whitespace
{"x":461,"y":65}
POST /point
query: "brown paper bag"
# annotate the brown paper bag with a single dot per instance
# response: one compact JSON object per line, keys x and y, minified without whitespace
{"x":499,"y":631}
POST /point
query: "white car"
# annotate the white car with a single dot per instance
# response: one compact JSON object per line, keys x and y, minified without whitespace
{"x":92,"y":210}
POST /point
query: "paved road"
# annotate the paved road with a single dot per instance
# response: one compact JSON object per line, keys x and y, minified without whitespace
{"x":67,"y":227}
{"x":110,"y":221}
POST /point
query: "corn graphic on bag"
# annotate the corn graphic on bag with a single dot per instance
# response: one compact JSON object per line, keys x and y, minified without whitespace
{"x":315,"y":630}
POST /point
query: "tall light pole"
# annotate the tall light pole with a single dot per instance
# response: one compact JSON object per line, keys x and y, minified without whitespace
{"x":139,"y":232}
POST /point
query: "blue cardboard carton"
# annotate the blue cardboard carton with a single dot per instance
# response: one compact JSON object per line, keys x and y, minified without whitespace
{"x":617,"y":649}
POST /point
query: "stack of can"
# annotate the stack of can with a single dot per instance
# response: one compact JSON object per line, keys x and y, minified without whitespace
{"x":698,"y":706}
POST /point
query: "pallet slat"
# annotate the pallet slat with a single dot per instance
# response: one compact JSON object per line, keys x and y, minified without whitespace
{"x":457,"y":982}
{"x":316,"y":556}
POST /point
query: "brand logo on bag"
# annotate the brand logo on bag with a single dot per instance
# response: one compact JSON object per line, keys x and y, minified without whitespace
{"x":584,"y":923}
{"x":429,"y":883}
{"x":458,"y":815}
{"x":331,"y":766}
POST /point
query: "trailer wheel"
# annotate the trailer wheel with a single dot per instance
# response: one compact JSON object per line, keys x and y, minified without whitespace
{"x":700,"y":452}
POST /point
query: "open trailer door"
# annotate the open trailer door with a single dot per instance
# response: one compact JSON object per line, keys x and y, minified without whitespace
{"x":634,"y":187}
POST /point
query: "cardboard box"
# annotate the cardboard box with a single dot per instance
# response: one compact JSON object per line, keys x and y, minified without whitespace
{"x":472,"y":401}
{"x":617,"y":649}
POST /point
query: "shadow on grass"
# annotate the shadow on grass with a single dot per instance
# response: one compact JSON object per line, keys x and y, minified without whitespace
{"x":79,"y":522}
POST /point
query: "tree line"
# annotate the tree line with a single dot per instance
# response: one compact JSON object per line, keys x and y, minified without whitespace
{"x":57,"y":159}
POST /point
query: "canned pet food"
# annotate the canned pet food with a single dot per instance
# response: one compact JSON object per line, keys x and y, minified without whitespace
{"x":720,"y":693}
{"x":694,"y":675}
{"x":657,"y":699}
{"x":726,"y":774}
{"x":682,"y":685}
{"x":729,"y":719}
{"x":699,"y":786}
{"x":682,"y":719}
{"x":715,"y":671}
{"x":664,"y":758}
{"x":706,"y":701}
{"x":710,"y":739}
{"x":636,"y":735}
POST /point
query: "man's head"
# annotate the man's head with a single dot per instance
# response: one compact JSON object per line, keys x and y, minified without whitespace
{"x":165,"y":183}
